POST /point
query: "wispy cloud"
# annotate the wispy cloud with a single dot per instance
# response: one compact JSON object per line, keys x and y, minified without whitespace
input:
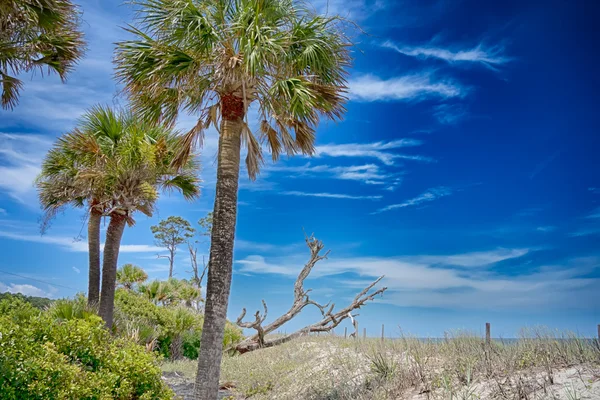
{"x":330,"y":195}
{"x":74,"y":245}
{"x":430,"y":195}
{"x":543,"y":164}
{"x":449,"y":114}
{"x":488,"y":56}
{"x":410,"y":87}
{"x":357,"y":10}
{"x":594,"y":214}
{"x":594,"y":190}
{"x":77,"y":270}
{"x":590,"y":231}
{"x":27,"y":290}
{"x":3,"y":211}
{"x":370,"y":174}
{"x":378,"y":150}
{"x":20,"y":158}
{"x":546,"y":229}
{"x":425,"y":280}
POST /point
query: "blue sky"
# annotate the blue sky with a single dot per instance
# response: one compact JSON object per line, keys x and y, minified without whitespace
{"x":466,"y":171}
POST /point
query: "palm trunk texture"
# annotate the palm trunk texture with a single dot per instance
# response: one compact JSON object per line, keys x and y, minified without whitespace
{"x":221,"y":253}
{"x":114,"y":233}
{"x":94,"y":257}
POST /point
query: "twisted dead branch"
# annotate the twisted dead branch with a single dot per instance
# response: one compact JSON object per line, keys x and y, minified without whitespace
{"x":329,"y":321}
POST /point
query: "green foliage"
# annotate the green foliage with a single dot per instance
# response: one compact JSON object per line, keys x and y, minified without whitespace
{"x":206,"y":224}
{"x":173,"y":325}
{"x":17,"y":308}
{"x":37,"y":302}
{"x":36,"y":35}
{"x":71,"y":309}
{"x":42,"y":357}
{"x":114,"y":161}
{"x":191,"y":340}
{"x":383,"y":366}
{"x":172,"y":232}
{"x":128,"y":275}
{"x":281,"y":55}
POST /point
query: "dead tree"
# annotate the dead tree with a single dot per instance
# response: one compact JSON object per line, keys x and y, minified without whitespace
{"x":197,"y":279}
{"x":329,"y":321}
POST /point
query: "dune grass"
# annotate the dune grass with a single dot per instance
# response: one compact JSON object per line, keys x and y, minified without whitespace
{"x":541,"y":364}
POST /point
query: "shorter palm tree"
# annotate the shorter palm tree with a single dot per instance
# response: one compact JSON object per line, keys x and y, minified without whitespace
{"x":129,"y":275}
{"x":127,"y":162}
{"x":34,"y":35}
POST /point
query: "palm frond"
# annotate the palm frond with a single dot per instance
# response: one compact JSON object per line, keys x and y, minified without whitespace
{"x":11,"y":88}
{"x":190,"y":55}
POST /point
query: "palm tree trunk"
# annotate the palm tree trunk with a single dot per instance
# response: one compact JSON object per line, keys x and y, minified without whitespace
{"x":221,"y":256}
{"x":114,"y":233}
{"x":94,"y":257}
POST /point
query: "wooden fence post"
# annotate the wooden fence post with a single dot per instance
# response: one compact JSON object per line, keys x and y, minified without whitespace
{"x":488,"y":336}
{"x":345,"y":332}
{"x":382,"y":332}
{"x":364,"y":333}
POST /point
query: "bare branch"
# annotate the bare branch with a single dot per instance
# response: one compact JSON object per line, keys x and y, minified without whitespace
{"x":329,"y":321}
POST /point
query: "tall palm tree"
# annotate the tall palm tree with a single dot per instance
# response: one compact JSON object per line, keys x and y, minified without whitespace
{"x":36,"y":34}
{"x":216,"y":58}
{"x":128,"y":275}
{"x":125,"y":162}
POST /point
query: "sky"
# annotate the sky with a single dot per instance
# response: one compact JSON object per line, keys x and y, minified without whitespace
{"x":466,"y":171}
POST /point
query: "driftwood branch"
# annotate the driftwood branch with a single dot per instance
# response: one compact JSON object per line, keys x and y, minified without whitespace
{"x":330,"y":318}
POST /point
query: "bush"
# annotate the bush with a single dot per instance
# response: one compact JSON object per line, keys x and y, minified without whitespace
{"x":38,"y":302}
{"x":42,"y":357}
{"x":172,"y":330}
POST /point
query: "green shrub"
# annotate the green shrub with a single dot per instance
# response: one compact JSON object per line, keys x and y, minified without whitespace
{"x":17,"y":308}
{"x":42,"y":357}
{"x":178,"y":328}
{"x":191,"y":340}
{"x":40,"y":303}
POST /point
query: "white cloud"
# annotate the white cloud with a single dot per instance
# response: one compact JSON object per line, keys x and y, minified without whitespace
{"x":464,"y":281}
{"x":546,"y":229}
{"x":490,"y":57}
{"x":329,"y":195}
{"x":449,"y":114}
{"x":74,"y":245}
{"x":27,"y":290}
{"x":247,"y":245}
{"x":377,"y":150}
{"x":77,"y":270}
{"x":20,"y":157}
{"x":594,"y":214}
{"x":595,"y":230}
{"x":352,"y":9}
{"x":370,"y":174}
{"x":410,"y":87}
{"x":429,"y":195}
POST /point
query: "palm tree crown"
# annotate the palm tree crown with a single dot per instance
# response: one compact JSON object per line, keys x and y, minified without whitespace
{"x":128,"y":275}
{"x":215,"y":58}
{"x":35,"y":34}
{"x":115,"y":161}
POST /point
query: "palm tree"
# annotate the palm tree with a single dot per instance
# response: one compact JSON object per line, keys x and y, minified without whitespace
{"x":62,"y":183}
{"x":215,"y":58}
{"x":35,"y":34}
{"x":125,"y":162}
{"x":128,"y":275}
